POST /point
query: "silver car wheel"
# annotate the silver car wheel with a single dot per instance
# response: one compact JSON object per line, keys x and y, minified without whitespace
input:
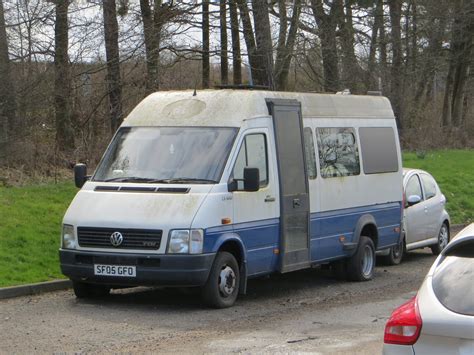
{"x":443,"y":237}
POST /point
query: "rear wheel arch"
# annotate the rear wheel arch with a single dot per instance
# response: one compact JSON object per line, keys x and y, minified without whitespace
{"x":366,"y":226}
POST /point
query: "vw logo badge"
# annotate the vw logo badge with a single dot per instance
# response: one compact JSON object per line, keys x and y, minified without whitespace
{"x":116,"y":239}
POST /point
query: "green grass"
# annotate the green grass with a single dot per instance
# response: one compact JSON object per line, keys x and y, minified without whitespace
{"x":30,"y":216}
{"x":30,"y":223}
{"x":454,"y":172}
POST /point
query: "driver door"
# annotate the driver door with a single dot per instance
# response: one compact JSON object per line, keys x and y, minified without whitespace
{"x":256,"y":213}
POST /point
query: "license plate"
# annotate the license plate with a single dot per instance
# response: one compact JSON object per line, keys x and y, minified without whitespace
{"x":115,"y":270}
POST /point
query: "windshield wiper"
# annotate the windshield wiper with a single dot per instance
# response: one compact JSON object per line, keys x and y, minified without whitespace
{"x":183,"y":180}
{"x":136,"y":179}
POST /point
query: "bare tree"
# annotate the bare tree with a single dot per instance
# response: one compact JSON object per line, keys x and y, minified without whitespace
{"x":113,"y":79}
{"x":205,"y":45}
{"x":62,"y":84}
{"x":7,"y":94}
{"x":286,"y":43}
{"x":224,"y":55}
{"x":263,"y":39}
{"x":236,"y":57}
{"x":151,"y":32}
{"x":460,"y":62}
{"x":327,"y":24}
{"x":247,"y":29}
{"x":395,"y":7}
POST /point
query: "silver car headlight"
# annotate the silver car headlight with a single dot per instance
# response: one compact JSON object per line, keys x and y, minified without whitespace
{"x":68,"y":237}
{"x":186,"y":241}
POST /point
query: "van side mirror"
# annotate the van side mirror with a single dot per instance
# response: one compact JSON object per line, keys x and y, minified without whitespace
{"x":413,"y":200}
{"x":251,"y":179}
{"x":80,"y":175}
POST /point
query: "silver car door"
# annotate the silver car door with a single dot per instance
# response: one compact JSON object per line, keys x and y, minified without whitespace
{"x":433,"y":204}
{"x":415,"y":216}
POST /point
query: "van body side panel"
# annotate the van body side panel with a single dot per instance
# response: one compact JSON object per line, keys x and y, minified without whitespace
{"x":328,"y":227}
{"x":259,"y":239}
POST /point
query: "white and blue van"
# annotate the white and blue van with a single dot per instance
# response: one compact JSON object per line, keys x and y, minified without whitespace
{"x":212,"y":188}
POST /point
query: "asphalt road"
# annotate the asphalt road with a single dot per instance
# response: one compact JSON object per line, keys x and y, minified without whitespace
{"x":306,"y":311}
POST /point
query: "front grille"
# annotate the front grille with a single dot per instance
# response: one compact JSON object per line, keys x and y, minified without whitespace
{"x":132,"y":238}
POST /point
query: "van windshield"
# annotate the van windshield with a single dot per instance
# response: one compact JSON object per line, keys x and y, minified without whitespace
{"x":167,"y":155}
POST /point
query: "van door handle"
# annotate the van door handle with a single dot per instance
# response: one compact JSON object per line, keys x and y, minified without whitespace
{"x":269,"y":199}
{"x":296,"y":203}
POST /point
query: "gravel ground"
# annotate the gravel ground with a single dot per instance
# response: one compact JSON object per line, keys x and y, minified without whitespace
{"x":305,"y":311}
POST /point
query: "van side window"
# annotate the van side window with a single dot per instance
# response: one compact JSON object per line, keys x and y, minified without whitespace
{"x":253,"y":154}
{"x":413,"y":187}
{"x":378,"y":149}
{"x":338,"y":152}
{"x":309,"y":152}
{"x":429,"y":185}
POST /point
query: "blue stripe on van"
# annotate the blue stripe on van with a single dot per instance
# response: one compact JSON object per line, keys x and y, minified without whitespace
{"x":260,"y":238}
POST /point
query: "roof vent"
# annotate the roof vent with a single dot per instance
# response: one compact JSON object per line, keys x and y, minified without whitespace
{"x":374,"y":93}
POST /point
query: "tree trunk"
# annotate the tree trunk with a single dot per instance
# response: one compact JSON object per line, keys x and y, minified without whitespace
{"x":113,"y":64}
{"x":7,"y":93}
{"x":286,"y":44}
{"x":205,"y":45}
{"x":350,"y":67}
{"x":62,"y":86}
{"x":395,"y":7}
{"x":263,"y":38}
{"x":224,"y":55}
{"x":383,"y":47}
{"x":327,"y":34}
{"x":151,"y":45}
{"x":255,"y":65}
{"x":234,"y":29}
{"x":370,"y":78}
{"x":460,"y":61}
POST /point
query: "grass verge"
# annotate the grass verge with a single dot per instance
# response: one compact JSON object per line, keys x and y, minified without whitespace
{"x":30,"y":222}
{"x":454,"y":172}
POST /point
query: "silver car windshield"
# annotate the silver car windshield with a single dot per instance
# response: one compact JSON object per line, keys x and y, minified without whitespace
{"x":167,"y":155}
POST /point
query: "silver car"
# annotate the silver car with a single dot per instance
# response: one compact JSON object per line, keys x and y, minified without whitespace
{"x":426,"y":222}
{"x":440,"y":319}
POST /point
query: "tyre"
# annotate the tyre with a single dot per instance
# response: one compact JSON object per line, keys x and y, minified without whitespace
{"x":222,"y":286}
{"x":84,"y":290}
{"x":443,"y":239}
{"x":395,"y":255}
{"x":360,"y":266}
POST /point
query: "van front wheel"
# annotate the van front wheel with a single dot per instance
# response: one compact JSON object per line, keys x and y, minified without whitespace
{"x":222,"y":286}
{"x":360,"y":266}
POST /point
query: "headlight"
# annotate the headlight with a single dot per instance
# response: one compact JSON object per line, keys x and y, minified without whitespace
{"x":186,"y":241}
{"x":68,"y":238}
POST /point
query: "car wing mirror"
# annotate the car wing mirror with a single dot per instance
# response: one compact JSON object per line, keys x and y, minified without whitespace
{"x":413,"y":200}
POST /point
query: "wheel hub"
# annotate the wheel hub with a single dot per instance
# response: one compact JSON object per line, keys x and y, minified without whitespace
{"x":443,"y":237}
{"x":367,"y":261}
{"x":226,"y":281}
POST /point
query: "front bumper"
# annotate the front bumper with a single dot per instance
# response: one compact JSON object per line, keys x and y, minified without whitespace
{"x":151,"y":270}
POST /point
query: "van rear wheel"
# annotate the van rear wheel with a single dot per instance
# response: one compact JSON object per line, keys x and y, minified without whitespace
{"x":361,"y":265}
{"x":85,"y":290}
{"x":222,"y":286}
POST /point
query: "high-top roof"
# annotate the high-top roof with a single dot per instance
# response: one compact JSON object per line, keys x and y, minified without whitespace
{"x":228,"y":108}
